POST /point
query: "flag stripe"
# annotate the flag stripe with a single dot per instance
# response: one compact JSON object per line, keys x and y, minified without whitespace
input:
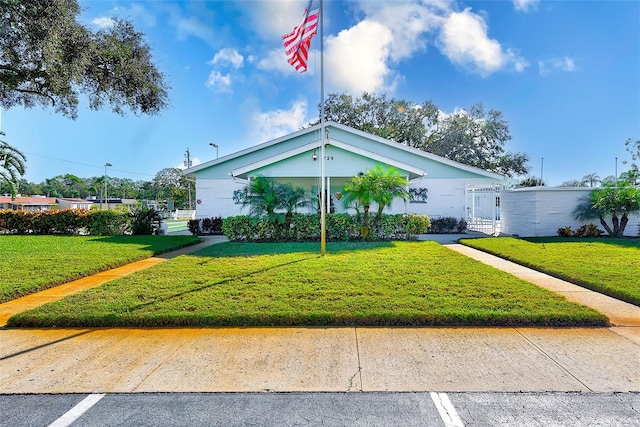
{"x":297,"y":42}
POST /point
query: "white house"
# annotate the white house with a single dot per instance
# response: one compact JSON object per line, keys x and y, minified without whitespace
{"x":439,"y":187}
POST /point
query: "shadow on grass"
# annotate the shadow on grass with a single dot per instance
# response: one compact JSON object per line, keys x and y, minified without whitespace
{"x":233,"y":249}
{"x":625,"y":242}
{"x":219,"y":283}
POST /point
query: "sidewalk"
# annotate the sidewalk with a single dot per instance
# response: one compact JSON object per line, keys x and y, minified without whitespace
{"x":87,"y":360}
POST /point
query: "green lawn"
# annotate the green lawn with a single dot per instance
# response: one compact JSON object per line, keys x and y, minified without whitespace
{"x":245,"y":284}
{"x":32,"y":263}
{"x":610,"y":266}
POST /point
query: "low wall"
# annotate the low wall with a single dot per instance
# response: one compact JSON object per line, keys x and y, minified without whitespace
{"x":541,"y":211}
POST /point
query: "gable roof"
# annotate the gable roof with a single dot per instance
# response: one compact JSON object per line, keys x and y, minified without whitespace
{"x":309,"y":142}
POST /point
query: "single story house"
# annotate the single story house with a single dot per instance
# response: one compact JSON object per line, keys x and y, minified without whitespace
{"x":31,"y":203}
{"x":74,"y":203}
{"x":438,"y":187}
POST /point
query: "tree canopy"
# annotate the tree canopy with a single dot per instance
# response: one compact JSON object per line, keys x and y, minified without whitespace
{"x":48,"y":58}
{"x":474,"y":136}
{"x":617,"y":203}
{"x":11,"y":166}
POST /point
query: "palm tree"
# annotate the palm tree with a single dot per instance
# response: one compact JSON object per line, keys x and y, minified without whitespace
{"x":592,"y":179}
{"x":388,"y":184}
{"x":12,"y":166}
{"x":377,"y":185}
{"x":358,"y":191}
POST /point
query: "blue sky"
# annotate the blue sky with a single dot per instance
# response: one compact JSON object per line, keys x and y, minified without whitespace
{"x":565,"y":74}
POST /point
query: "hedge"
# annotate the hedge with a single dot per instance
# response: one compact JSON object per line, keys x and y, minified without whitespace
{"x":339,"y":227}
{"x":79,"y":221}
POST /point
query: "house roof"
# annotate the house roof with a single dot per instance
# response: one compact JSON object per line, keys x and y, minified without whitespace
{"x":33,"y":201}
{"x":308,"y":141}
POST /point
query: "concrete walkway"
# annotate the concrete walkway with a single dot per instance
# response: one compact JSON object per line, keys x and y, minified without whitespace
{"x":89,"y":360}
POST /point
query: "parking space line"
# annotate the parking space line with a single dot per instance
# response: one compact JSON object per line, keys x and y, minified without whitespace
{"x":76,"y":412}
{"x":446,"y":410}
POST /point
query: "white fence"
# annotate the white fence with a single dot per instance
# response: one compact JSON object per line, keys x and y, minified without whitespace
{"x":541,"y":211}
{"x":183,"y":214}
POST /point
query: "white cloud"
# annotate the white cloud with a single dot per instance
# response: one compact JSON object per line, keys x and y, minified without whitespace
{"x":138,"y":13}
{"x":276,"y":60}
{"x":103,"y":22}
{"x":219,"y":82}
{"x":228,"y":56}
{"x":565,"y":64}
{"x":524,"y":5}
{"x":357,"y":58}
{"x":266,"y":126}
{"x":464,"y":40}
{"x":274,"y":18}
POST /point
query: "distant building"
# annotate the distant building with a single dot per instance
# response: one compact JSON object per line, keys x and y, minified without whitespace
{"x":31,"y":203}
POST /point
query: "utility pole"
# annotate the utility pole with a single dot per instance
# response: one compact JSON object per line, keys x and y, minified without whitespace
{"x":106,"y":199}
{"x":187,"y":164}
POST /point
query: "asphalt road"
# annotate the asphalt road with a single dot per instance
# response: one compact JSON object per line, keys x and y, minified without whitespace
{"x":322,"y":409}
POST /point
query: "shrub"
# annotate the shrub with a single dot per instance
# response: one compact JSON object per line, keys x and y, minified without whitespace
{"x":194,"y":227}
{"x":589,"y":230}
{"x":339,"y":227}
{"x":565,"y":232}
{"x":462,"y":226}
{"x":201,"y":226}
{"x":107,"y":223}
{"x":145,"y":221}
{"x":415,"y":224}
{"x":443,"y":225}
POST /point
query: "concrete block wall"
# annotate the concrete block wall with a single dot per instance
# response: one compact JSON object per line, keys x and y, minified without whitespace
{"x":541,"y":211}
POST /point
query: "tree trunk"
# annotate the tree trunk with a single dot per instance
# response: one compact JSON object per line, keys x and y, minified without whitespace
{"x":623,"y":224}
{"x":606,"y":226}
{"x":616,"y":225}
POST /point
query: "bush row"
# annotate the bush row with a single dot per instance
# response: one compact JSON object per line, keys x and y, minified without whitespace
{"x":80,"y":221}
{"x":340,"y":226}
{"x":201,"y":226}
{"x":447,"y":225}
{"x":589,"y":230}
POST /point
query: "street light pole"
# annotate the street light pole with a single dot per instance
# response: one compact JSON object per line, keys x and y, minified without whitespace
{"x":214,"y":146}
{"x":106,"y":199}
{"x":187,"y":164}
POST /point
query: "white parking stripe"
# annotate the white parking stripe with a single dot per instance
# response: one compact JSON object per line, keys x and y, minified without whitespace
{"x":77,"y":411}
{"x":446,"y":410}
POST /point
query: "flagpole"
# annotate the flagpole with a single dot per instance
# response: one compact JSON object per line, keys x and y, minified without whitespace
{"x":323,"y":191}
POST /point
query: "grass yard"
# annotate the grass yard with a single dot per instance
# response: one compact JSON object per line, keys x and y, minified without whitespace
{"x":609,"y":266}
{"x":374,"y":284}
{"x":32,"y":263}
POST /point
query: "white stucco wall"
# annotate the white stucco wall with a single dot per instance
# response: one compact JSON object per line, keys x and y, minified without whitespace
{"x":541,"y":211}
{"x":214,"y":197}
{"x":446,"y":198}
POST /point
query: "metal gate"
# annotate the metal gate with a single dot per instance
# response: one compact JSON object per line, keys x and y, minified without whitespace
{"x":483,"y":208}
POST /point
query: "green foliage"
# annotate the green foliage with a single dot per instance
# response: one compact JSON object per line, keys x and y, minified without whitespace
{"x":565,"y":231}
{"x":472,"y":136}
{"x":203,"y":226}
{"x":144,"y":221}
{"x":588,"y":230}
{"x":33,"y":263}
{"x":609,"y":266}
{"x":379,"y":185}
{"x":48,"y":58}
{"x":274,"y":202}
{"x":616,"y":203}
{"x":12,"y":165}
{"x":531,"y":181}
{"x":289,"y":284}
{"x":340,"y":227}
{"x":107,"y":222}
{"x":447,"y":224}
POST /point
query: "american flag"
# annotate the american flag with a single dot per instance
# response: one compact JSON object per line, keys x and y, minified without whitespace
{"x":297,"y":42}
